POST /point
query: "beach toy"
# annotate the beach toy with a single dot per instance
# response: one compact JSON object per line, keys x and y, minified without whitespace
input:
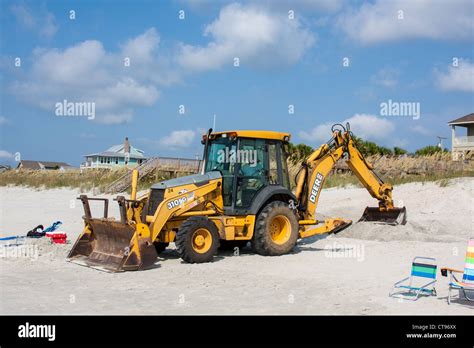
{"x":57,"y":237}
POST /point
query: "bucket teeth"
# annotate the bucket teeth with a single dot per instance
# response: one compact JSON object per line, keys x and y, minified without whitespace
{"x":109,"y":246}
{"x":393,"y":216}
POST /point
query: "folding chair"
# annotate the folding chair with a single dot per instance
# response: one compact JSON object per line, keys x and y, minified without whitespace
{"x":420,"y":282}
{"x":466,"y":286}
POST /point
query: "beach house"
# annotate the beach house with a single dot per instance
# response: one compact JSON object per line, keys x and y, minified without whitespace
{"x":462,"y":146}
{"x":115,"y":157}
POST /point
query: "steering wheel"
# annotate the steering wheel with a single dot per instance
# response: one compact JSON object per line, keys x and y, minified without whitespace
{"x":257,"y":172}
{"x":217,"y":170}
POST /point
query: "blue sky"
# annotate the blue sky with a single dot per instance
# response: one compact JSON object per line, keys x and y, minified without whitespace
{"x":289,"y":53}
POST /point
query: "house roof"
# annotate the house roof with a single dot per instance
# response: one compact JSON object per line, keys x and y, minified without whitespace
{"x":115,"y":154}
{"x":465,"y":120}
{"x":27,"y":164}
{"x":119,"y":151}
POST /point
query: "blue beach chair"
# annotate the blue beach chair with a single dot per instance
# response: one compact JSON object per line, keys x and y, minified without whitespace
{"x":421,"y":281}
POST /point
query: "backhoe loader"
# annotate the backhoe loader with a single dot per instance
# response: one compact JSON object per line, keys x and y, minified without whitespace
{"x":241,"y":195}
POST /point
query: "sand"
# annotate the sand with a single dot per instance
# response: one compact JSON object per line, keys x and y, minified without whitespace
{"x":348,"y":273}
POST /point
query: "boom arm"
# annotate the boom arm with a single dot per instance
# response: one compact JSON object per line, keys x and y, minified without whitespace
{"x":320,"y":163}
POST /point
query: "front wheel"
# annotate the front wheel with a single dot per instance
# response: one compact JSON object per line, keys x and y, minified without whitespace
{"x":276,"y":230}
{"x":197,"y":240}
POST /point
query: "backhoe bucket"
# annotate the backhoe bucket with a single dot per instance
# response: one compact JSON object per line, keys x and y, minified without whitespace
{"x":393,"y":216}
{"x":112,"y":246}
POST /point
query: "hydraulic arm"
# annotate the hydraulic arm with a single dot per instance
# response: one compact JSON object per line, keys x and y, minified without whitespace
{"x":317,"y":167}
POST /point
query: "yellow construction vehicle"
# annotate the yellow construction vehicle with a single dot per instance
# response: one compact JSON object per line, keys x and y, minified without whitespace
{"x":242,"y":195}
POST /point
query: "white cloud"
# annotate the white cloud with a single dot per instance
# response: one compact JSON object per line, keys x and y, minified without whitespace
{"x":460,"y":78}
{"x":40,"y":21}
{"x":257,"y":37}
{"x":3,"y":120}
{"x":178,"y":139}
{"x":142,"y":48}
{"x":367,"y":127}
{"x":419,"y":129}
{"x":386,"y":77}
{"x":86,"y":72}
{"x":74,"y":66}
{"x":379,"y":21}
{"x":5,"y":154}
{"x":127,"y":91}
{"x":24,"y":16}
{"x":303,"y":6}
{"x":48,"y":27}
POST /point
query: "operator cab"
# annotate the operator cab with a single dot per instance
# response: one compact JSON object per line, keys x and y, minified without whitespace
{"x":248,"y":161}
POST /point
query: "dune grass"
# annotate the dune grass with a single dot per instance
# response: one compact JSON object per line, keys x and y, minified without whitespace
{"x":98,"y":179}
{"x":88,"y":180}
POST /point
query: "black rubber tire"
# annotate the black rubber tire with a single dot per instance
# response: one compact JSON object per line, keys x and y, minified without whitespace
{"x":261,"y":242}
{"x":160,"y":247}
{"x":232,"y":244}
{"x":184,"y":243}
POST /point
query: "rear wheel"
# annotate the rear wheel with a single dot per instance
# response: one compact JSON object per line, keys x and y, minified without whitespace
{"x":276,"y":230}
{"x":197,"y":240}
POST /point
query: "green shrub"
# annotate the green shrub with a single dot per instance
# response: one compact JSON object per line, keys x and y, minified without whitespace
{"x":297,"y":153}
{"x":429,"y":150}
{"x":399,"y":151}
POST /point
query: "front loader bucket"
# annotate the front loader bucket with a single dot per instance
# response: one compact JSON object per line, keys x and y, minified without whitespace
{"x":112,"y":246}
{"x":393,"y":216}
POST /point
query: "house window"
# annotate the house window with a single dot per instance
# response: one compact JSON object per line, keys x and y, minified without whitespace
{"x":116,"y":160}
{"x":101,"y":160}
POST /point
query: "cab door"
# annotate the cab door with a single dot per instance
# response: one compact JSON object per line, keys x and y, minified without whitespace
{"x":252,"y":170}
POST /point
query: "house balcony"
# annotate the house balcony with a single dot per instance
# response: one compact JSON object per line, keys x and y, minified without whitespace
{"x":91,"y":165}
{"x":463,"y":143}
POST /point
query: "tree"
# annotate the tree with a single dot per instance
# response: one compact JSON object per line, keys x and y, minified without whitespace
{"x":429,"y":150}
{"x":297,"y":153}
{"x":369,"y":148}
{"x":399,"y":151}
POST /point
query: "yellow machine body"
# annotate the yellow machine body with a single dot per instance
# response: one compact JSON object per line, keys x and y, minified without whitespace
{"x":191,"y":211}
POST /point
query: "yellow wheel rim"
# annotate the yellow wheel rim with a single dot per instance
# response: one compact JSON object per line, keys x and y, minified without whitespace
{"x":280,"y":229}
{"x":202,"y":240}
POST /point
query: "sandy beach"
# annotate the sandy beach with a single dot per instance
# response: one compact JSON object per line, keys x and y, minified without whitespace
{"x":348,"y":273}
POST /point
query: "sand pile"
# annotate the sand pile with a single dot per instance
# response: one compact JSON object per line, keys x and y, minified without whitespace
{"x":434,"y":213}
{"x":428,"y":231}
{"x":34,"y":249}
